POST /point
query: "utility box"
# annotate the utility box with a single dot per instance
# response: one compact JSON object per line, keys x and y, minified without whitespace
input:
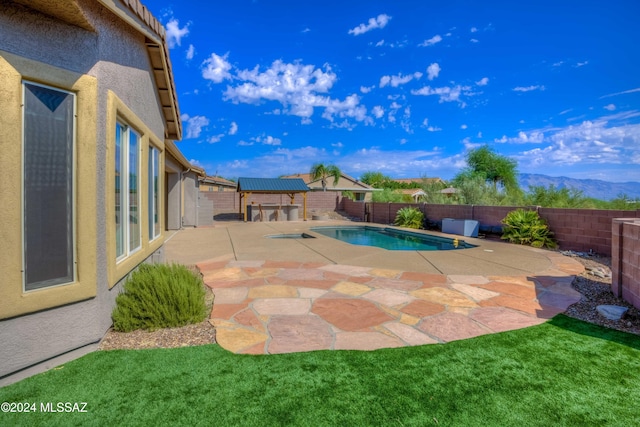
{"x":462,"y":227}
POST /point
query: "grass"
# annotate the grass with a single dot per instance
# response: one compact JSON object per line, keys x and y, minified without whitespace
{"x":564,"y":372}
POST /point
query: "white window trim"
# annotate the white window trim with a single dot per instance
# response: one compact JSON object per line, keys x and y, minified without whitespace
{"x":152,"y":191}
{"x":74,"y":244}
{"x":124,"y":190}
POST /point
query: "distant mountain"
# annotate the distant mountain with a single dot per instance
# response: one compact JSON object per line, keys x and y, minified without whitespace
{"x":603,"y":190}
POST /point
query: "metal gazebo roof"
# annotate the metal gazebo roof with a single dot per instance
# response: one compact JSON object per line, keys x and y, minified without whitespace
{"x":272,"y":185}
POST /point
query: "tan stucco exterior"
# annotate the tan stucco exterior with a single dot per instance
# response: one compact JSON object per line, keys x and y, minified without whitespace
{"x":112,"y":55}
{"x":13,"y":299}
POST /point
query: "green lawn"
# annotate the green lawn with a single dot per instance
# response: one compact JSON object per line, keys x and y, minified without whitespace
{"x":564,"y":372}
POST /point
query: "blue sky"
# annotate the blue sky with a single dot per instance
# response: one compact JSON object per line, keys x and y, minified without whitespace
{"x":406,"y":88}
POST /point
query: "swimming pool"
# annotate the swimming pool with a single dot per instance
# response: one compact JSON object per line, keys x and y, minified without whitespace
{"x":391,"y":238}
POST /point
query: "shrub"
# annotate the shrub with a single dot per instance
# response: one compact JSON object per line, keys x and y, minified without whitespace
{"x":160,"y":296}
{"x":527,"y":228}
{"x":409,"y":217}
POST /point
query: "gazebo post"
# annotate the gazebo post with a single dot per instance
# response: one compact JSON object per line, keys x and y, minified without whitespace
{"x":304,"y":206}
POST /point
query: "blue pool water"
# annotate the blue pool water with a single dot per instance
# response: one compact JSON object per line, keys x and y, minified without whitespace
{"x":391,"y":239}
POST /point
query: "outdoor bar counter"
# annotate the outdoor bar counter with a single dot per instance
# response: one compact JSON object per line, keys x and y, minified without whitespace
{"x":272,"y":212}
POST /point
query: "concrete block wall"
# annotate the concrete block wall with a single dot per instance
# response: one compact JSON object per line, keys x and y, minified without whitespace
{"x":574,"y":229}
{"x":625,"y":259}
{"x":354,"y":209}
{"x":583,"y":229}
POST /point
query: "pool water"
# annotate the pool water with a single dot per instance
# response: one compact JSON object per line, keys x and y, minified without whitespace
{"x":391,"y":239}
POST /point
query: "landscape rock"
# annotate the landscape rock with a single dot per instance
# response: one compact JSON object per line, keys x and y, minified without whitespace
{"x":612,"y":312}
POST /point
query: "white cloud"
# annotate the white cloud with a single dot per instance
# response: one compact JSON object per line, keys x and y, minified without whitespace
{"x":194,"y":125}
{"x":299,"y":88}
{"x":433,"y":40}
{"x":581,"y":64}
{"x":463,"y":126}
{"x":474,"y":30}
{"x":366,"y":89}
{"x":380,"y":43}
{"x":528,"y":88}
{"x":607,"y":140}
{"x":384,"y":80}
{"x":337,"y":145}
{"x":379,"y":22}
{"x":377,"y":111}
{"x":175,"y":33}
{"x":434,"y":129}
{"x":534,"y":137}
{"x":445,"y":94}
{"x":216,"y":68}
{"x":233,"y":129}
{"x":268,"y":140}
{"x":306,"y":30}
{"x":621,"y":93}
{"x":215,"y":138}
{"x":191,"y":51}
{"x":610,"y":107}
{"x":398,"y":80}
{"x":483,"y":81}
{"x":243,"y":143}
{"x":391,"y":162}
{"x":474,"y":40}
{"x":433,"y":70}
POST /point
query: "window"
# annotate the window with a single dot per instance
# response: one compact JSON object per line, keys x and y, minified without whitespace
{"x":48,"y":187}
{"x":154,"y":221}
{"x":127,"y":191}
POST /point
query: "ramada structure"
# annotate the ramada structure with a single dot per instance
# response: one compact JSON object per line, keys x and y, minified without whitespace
{"x":91,"y":177}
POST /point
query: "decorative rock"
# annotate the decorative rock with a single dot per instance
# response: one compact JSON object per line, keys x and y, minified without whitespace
{"x":612,"y":312}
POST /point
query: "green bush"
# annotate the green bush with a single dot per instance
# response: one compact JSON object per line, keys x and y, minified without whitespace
{"x":160,"y":296}
{"x":409,"y":217}
{"x":527,"y":228}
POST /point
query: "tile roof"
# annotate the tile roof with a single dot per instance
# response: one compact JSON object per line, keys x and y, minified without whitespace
{"x":272,"y":185}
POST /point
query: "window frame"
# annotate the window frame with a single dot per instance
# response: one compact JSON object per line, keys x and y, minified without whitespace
{"x":153,"y":193}
{"x":125,"y":198}
{"x":54,"y":283}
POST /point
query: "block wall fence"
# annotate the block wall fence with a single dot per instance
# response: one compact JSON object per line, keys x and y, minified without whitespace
{"x":625,"y":260}
{"x":574,"y":229}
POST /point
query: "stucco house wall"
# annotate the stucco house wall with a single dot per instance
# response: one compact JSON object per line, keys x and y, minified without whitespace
{"x":104,"y":60}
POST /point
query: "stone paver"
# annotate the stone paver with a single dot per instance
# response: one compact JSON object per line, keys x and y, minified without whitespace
{"x":281,"y":306}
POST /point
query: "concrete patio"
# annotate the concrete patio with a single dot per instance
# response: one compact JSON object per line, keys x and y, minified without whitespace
{"x":290,"y":295}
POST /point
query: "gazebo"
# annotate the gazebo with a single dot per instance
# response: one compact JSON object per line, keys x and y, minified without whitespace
{"x":289,"y":186}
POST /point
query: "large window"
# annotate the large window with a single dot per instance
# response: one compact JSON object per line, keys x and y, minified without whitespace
{"x":48,"y":186}
{"x":127,"y":191}
{"x":154,"y":220}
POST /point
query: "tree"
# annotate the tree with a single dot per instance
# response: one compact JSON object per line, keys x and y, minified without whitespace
{"x":322,"y":171}
{"x":375,"y":179}
{"x":492,"y":167}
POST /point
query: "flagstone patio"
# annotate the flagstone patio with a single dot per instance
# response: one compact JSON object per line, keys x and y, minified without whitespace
{"x":269,"y":306}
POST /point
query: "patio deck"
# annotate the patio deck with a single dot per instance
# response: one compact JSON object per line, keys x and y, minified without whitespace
{"x":287,"y":295}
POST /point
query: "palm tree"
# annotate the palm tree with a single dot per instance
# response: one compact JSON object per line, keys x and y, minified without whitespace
{"x":322,"y":171}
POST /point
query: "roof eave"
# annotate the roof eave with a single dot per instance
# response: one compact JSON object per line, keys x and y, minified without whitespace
{"x":134,"y":13}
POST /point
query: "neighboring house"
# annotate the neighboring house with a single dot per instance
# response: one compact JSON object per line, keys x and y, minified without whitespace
{"x":91,"y":177}
{"x":216,"y":183}
{"x":360,"y":190}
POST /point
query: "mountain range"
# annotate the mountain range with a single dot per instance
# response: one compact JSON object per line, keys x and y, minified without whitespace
{"x":595,"y":188}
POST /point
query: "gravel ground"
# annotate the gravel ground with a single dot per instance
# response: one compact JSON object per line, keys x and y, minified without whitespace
{"x":595,"y":291}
